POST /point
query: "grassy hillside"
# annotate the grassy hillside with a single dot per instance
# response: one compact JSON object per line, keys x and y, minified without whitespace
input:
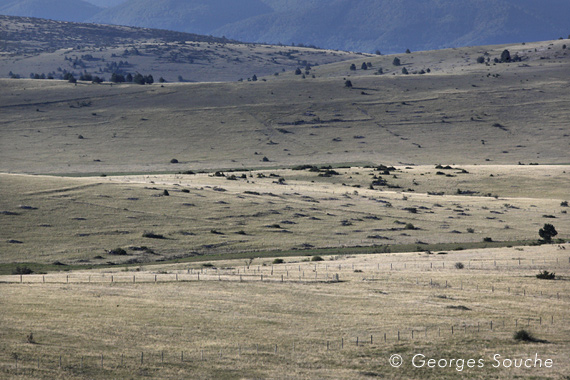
{"x":54,"y":48}
{"x":461,"y":112}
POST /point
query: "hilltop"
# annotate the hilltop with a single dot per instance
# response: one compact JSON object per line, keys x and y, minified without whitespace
{"x":39,"y":46}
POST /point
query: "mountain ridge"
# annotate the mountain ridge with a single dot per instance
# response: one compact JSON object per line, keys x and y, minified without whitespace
{"x":389,"y":26}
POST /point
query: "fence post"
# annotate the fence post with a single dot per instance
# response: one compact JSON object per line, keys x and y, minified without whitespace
{"x":101,"y":360}
{"x":142,"y":358}
{"x":398,"y":335}
{"x":384,"y":337}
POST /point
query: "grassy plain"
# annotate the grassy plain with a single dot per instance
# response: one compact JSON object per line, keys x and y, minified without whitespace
{"x":88,"y":169}
{"x":229,"y":329}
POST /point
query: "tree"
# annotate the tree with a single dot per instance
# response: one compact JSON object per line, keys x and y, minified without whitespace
{"x":129,"y":78}
{"x":353,"y":67}
{"x":364,"y":66}
{"x":348,"y":84}
{"x":396,"y":61}
{"x":149,"y":79}
{"x":404,"y":71}
{"x":117,"y":78}
{"x":505,"y":56}
{"x":547,"y":232}
{"x":298,"y":71}
{"x":481,"y":59}
{"x":408,"y":51}
{"x":138,"y":79}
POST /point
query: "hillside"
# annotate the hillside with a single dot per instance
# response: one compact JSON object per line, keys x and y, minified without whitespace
{"x":395,"y":25}
{"x":195,"y":16}
{"x":460,"y":112}
{"x":53,"y":48}
{"x":390,"y":26}
{"x":64,"y":10}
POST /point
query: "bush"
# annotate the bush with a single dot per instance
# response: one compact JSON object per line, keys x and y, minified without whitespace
{"x":278,"y":261}
{"x":152,"y":235}
{"x":545,"y":275}
{"x":487,"y":240}
{"x":348,"y":84}
{"x":118,"y":252}
{"x":471,"y":230}
{"x":564,"y":204}
{"x":410,"y":226}
{"x":524,"y":336}
{"x":396,"y":61}
{"x":317,"y":258}
{"x":22,"y":270}
{"x":459,"y":266}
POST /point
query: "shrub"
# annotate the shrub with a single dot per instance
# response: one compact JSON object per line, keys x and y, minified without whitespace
{"x":564,"y":204}
{"x":396,"y":61}
{"x":118,"y":252}
{"x":353,"y":67}
{"x":487,"y":240}
{"x":174,"y":161}
{"x":404,"y":71}
{"x":524,"y":336}
{"x":278,"y":261}
{"x":459,"y":266}
{"x":317,"y":258}
{"x":152,"y":235}
{"x":545,"y":275}
{"x":348,"y":84}
{"x":165,"y":193}
{"x":471,"y":230}
{"x":410,"y":226}
{"x":547,"y":232}
{"x":481,"y":59}
{"x":22,"y":270}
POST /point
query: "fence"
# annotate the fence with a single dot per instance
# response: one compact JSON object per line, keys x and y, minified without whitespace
{"x":307,"y":272}
{"x":116,"y":360}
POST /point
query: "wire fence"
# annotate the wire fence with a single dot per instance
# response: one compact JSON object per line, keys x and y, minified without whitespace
{"x":72,"y":362}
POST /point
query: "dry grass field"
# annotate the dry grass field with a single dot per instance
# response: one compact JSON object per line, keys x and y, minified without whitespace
{"x":231,"y":324}
{"x":151,"y":217}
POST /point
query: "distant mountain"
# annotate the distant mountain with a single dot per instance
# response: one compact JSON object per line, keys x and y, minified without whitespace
{"x":390,"y":26}
{"x":395,"y":25}
{"x":63,"y":10}
{"x":106,"y":3}
{"x":194,"y":16}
